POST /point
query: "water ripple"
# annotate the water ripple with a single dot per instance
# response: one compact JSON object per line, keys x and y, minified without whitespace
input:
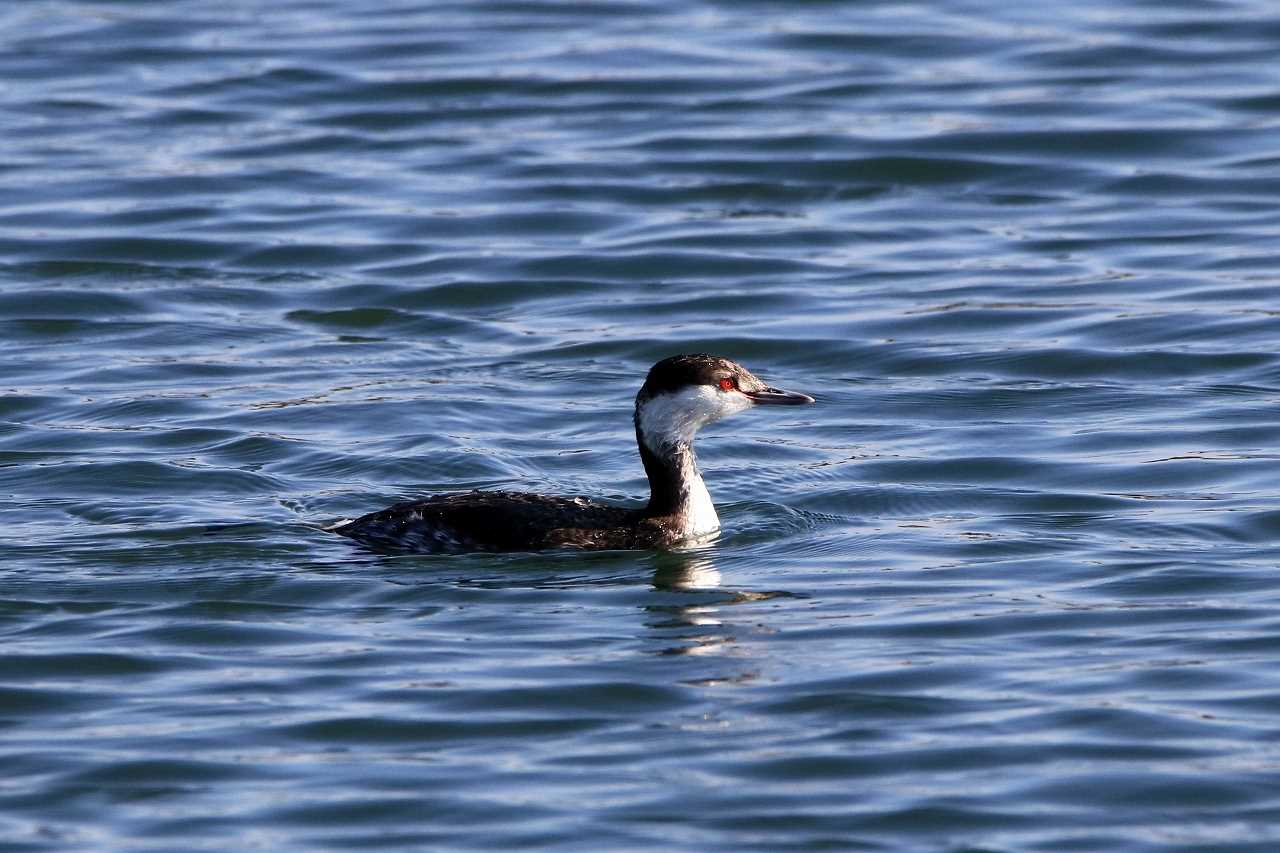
{"x":1008,"y":586}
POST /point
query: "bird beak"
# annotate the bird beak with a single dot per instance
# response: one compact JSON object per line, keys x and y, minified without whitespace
{"x":778,"y":397}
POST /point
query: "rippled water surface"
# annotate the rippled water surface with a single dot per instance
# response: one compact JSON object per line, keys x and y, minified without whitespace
{"x":1013,"y":584}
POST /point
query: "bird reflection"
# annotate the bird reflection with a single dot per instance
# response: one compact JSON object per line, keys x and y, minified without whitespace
{"x":685,"y":569}
{"x":690,"y":617}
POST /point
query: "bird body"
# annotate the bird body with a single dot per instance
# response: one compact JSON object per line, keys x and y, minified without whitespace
{"x":680,"y":395}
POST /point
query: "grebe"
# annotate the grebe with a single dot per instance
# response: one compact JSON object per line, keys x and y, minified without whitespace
{"x":680,"y":395}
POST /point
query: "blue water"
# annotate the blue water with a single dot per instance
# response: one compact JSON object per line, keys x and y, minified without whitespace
{"x":1013,"y":584}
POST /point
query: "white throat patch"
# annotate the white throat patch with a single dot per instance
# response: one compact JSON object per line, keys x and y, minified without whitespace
{"x":674,"y":419}
{"x":668,"y":423}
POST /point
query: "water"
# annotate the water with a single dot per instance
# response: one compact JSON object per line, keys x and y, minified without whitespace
{"x":1011,"y":585}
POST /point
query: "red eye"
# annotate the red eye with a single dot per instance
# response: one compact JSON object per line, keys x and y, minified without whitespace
{"x":726,"y":384}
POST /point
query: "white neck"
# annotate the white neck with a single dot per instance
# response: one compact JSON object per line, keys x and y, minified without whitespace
{"x":667,"y":425}
{"x":696,"y":509}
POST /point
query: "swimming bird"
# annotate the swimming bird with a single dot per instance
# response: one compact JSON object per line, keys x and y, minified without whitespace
{"x":680,"y":395}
